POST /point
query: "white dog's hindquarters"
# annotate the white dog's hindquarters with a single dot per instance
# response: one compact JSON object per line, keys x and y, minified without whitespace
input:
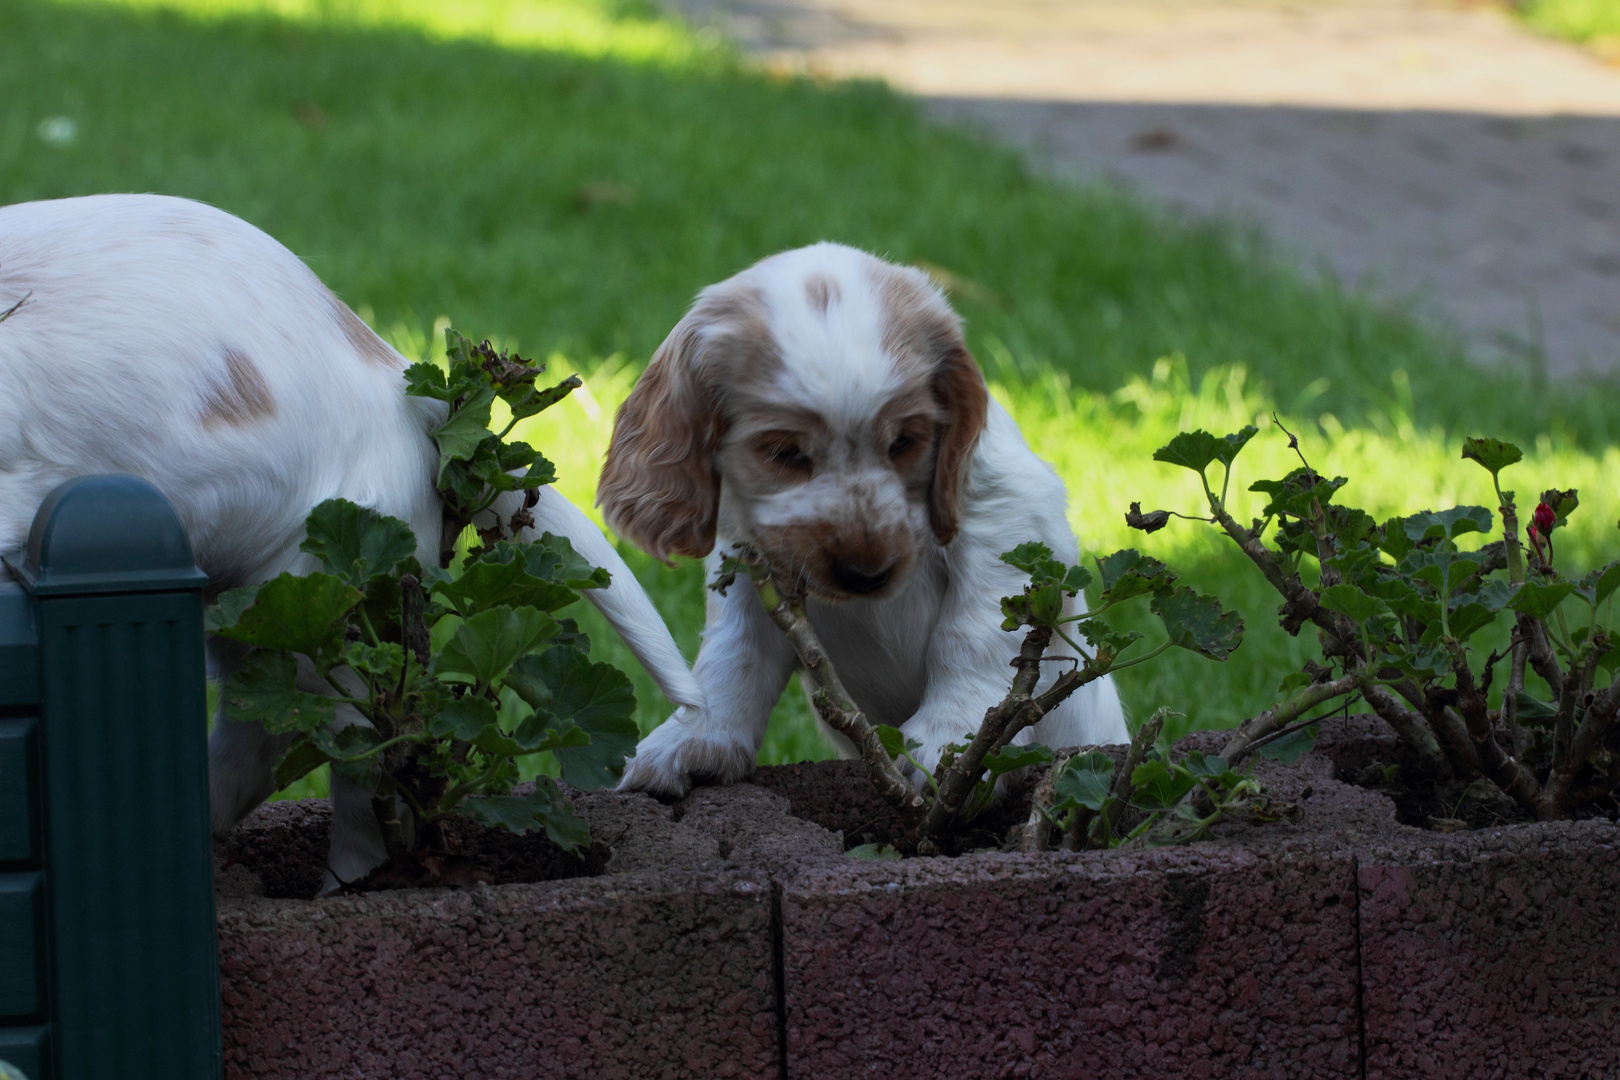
{"x":823,"y":406}
{"x":164,"y":338}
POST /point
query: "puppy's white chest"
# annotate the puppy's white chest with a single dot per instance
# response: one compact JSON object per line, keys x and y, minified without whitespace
{"x":880,"y":647}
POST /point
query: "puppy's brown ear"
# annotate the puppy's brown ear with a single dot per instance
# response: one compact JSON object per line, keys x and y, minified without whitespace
{"x":659,"y":485}
{"x":959,"y":389}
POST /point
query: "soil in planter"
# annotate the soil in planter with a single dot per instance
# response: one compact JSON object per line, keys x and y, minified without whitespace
{"x":284,"y":846}
{"x":1371,"y":758}
{"x":837,"y":795}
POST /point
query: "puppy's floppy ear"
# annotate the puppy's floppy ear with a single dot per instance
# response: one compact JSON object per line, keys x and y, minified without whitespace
{"x":959,"y":389}
{"x":659,"y":485}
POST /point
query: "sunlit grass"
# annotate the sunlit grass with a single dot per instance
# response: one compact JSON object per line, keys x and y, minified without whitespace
{"x":1577,"y":20}
{"x":623,"y":29}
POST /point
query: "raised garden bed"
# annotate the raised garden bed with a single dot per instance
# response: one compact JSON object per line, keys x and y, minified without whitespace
{"x":729,"y":936}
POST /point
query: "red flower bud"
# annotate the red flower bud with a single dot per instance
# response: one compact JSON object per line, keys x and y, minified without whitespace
{"x":1544,"y":519}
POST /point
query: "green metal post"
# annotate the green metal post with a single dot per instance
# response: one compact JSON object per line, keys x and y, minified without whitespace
{"x":131,"y":962}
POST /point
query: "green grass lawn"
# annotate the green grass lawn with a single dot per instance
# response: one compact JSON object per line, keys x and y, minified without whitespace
{"x":1586,"y":21}
{"x":563,"y":175}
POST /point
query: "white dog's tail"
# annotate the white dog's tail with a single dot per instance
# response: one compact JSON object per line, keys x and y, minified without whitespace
{"x":624,"y":603}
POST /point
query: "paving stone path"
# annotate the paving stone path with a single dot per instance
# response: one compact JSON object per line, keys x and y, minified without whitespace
{"x":1412,"y":146}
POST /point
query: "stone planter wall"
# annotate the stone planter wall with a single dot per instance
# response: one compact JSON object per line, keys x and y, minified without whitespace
{"x":731,"y":938}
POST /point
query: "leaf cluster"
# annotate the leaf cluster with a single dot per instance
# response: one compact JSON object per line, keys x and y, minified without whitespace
{"x":429,"y":684}
{"x":1399,"y":603}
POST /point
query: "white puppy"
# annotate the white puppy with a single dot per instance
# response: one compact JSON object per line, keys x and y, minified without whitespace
{"x":823,"y":406}
{"x":167,"y":339}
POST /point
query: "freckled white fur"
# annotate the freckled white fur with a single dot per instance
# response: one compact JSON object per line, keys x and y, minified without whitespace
{"x":107,"y":367}
{"x":928,"y":657}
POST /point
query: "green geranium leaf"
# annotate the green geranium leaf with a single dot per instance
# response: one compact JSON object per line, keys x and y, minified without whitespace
{"x":1159,"y":786}
{"x":264,"y":690}
{"x":1469,"y":617}
{"x":1085,"y":781}
{"x":350,"y":751}
{"x":356,"y":544}
{"x":1539,"y":601}
{"x":1196,"y":449}
{"x":1129,"y":573}
{"x":1494,"y":454}
{"x":462,"y":718}
{"x":1392,"y":538}
{"x":1496,"y":594}
{"x":1197,"y":622}
{"x":1008,"y":758}
{"x":1535,"y":711}
{"x":533,"y":400}
{"x":1298,"y":494}
{"x":544,"y":808}
{"x":1291,"y":747}
{"x":1351,"y":601}
{"x":553,"y":558}
{"x":425,"y":379}
{"x":485,"y":645}
{"x":894,"y":743}
{"x":228,"y":608}
{"x":595,"y":699}
{"x":1600,"y":584}
{"x":298,"y":761}
{"x":1036,"y":560}
{"x":301,"y":614}
{"x":486,"y":583}
{"x":1108,"y":642}
{"x":1294,"y":680}
{"x":874,"y":852}
{"x":1447,"y":524}
{"x":384,"y":661}
{"x":466,"y":429}
{"x":1015,"y":611}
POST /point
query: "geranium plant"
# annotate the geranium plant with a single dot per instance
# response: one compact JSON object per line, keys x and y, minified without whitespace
{"x":1155,"y":793}
{"x":1398,"y":607}
{"x":447,"y":675}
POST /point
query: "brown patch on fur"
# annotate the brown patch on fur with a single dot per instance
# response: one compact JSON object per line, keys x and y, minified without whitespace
{"x":362,"y":337}
{"x":241,"y":398}
{"x":959,"y":388}
{"x":822,"y":292}
{"x":660,"y":486}
{"x":921,"y":331}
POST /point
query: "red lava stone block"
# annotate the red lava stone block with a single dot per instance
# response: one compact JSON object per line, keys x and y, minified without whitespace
{"x":633,"y":977}
{"x":1203,"y":963}
{"x":1493,"y":954}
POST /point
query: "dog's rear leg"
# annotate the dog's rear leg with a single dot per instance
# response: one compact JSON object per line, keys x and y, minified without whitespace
{"x":241,"y":757}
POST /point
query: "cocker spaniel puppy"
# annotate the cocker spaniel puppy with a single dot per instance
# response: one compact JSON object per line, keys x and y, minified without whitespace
{"x":164,"y":338}
{"x":823,"y":406}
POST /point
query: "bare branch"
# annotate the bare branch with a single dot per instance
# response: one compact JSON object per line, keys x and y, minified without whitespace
{"x":958,"y":782}
{"x":833,"y":703}
{"x":1600,"y":715}
{"x":1274,"y":719}
{"x":1101,"y":829}
{"x":1038,"y":827}
{"x":1411,"y":727}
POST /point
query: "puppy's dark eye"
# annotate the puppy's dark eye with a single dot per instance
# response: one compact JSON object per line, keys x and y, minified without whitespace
{"x":901,"y":445}
{"x":789,"y":456}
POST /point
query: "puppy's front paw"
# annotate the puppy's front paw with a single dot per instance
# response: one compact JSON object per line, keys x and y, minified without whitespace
{"x":685,"y":749}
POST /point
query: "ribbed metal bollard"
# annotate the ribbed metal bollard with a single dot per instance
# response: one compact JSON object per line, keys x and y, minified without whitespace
{"x":104,"y":850}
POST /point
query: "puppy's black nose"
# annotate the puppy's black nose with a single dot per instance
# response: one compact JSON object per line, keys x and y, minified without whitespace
{"x":857,"y":581}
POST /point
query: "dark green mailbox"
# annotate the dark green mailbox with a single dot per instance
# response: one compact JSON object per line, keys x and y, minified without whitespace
{"x":108,"y":963}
